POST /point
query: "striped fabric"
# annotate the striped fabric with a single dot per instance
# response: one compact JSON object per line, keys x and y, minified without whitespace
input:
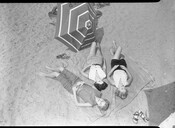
{"x":76,"y":25}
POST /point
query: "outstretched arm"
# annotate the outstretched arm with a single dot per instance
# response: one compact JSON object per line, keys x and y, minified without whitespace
{"x":84,"y":70}
{"x":130,"y":78}
{"x":111,"y":81}
{"x":104,"y":65}
{"x":110,"y":73}
{"x":112,"y":70}
{"x":89,"y":81}
{"x":76,"y":99}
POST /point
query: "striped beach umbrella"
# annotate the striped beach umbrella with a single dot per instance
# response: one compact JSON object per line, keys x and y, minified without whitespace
{"x":76,"y":25}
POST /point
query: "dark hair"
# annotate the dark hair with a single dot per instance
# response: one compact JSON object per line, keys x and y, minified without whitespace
{"x":101,"y":87}
{"x":122,"y":95}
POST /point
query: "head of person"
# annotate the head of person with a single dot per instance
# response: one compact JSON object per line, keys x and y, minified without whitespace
{"x":103,"y":104}
{"x":100,"y":85}
{"x":121,"y":92}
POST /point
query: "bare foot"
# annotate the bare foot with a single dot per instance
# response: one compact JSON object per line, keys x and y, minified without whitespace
{"x":49,"y":68}
{"x":49,"y":75}
{"x":112,"y":51}
{"x":114,"y":44}
{"x":41,"y":74}
{"x":64,"y":64}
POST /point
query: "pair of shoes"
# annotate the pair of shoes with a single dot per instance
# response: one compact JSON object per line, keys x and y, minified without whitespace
{"x":63,"y":56}
{"x":143,"y":116}
{"x":138,"y":114}
{"x":136,"y":117}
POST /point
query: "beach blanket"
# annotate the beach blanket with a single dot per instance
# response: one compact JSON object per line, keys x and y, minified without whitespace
{"x":44,"y":101}
{"x":141,"y":79}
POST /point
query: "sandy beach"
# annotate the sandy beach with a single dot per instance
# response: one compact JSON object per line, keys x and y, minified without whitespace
{"x":145,"y":31}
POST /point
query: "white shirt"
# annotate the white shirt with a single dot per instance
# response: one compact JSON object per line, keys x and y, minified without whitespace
{"x":96,"y":70}
{"x":120,"y":77}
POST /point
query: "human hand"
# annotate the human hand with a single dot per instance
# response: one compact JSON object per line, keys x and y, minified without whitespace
{"x":116,"y":66}
{"x":78,"y":85}
{"x":75,"y":88}
{"x":123,"y":67}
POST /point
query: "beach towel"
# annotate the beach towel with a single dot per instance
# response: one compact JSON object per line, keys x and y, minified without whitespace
{"x":141,"y":78}
{"x":53,"y":105}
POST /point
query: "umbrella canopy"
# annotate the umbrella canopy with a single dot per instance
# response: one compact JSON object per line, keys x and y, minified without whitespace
{"x":76,"y":25}
{"x":161,"y":103}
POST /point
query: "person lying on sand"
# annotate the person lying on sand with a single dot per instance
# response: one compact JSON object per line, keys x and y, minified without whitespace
{"x":74,"y":85}
{"x":121,"y":76}
{"x":96,"y":66}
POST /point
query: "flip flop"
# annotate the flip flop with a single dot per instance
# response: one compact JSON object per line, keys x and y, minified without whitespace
{"x":136,"y":117}
{"x":63,"y":56}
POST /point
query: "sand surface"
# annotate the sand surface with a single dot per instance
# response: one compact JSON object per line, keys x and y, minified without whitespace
{"x":146,"y":31}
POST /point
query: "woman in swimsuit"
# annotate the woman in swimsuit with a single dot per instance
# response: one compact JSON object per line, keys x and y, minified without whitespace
{"x":78,"y":88}
{"x":119,"y":72}
{"x":95,"y":67}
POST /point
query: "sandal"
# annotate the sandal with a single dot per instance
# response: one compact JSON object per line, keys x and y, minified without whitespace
{"x":63,"y":56}
{"x":136,"y":117}
{"x":141,"y":114}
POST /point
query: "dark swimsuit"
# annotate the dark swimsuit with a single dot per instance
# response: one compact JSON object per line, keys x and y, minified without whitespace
{"x":118,"y":62}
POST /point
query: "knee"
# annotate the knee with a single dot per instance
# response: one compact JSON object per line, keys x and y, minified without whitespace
{"x":93,"y":43}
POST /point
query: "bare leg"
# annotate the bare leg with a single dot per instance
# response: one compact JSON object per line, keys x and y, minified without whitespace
{"x":99,"y":52}
{"x":49,"y":75}
{"x":93,"y":49}
{"x":60,"y":69}
{"x":113,"y":49}
{"x":117,"y":53}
